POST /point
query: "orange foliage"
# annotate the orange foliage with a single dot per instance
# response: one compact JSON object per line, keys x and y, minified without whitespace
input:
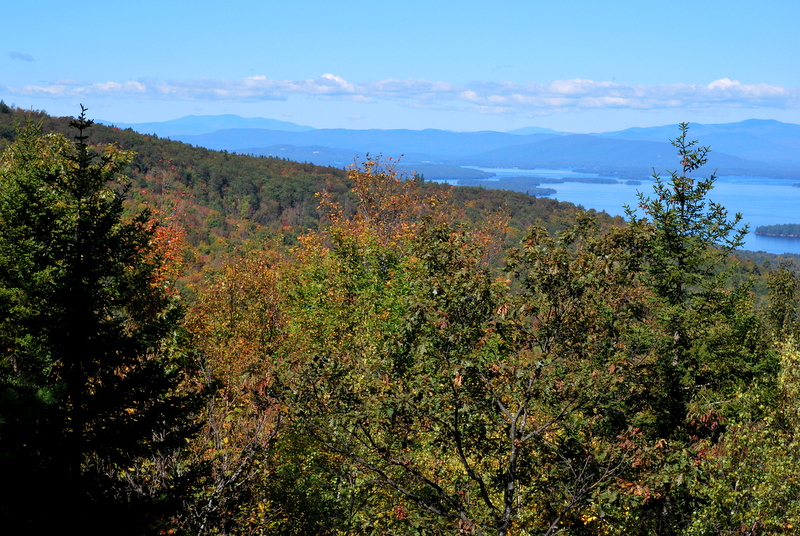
{"x":389,"y":203}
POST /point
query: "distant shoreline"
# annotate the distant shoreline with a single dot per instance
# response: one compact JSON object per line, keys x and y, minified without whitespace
{"x":779,"y":235}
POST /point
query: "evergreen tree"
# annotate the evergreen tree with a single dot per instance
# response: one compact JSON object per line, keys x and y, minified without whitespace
{"x":87,"y":402}
{"x":687,"y":263}
{"x":693,"y":236}
{"x":714,"y":347}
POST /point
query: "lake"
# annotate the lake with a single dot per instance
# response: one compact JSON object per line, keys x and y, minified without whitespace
{"x":761,"y":200}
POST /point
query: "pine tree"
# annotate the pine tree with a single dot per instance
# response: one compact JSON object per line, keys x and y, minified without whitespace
{"x":693,"y":236}
{"x":713,"y":347}
{"x":86,"y":390}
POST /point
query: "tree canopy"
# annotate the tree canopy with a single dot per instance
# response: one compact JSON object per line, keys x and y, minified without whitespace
{"x":408,"y":359}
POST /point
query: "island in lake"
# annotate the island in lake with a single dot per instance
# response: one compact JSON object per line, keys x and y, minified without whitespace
{"x":784,"y":230}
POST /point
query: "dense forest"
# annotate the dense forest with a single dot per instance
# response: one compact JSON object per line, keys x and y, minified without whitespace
{"x":222,"y":200}
{"x":791,"y":230}
{"x":199,"y":342}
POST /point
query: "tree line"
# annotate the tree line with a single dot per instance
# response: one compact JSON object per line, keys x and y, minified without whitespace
{"x":784,"y":229}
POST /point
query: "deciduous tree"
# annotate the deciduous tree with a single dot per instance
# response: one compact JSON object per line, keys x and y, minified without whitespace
{"x":468,"y":409}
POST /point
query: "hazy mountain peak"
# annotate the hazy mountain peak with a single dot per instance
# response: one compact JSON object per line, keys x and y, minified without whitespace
{"x":533,"y":130}
{"x":205,"y":124}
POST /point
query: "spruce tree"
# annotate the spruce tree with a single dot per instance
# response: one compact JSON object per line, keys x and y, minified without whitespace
{"x":712,"y":347}
{"x":87,"y":393}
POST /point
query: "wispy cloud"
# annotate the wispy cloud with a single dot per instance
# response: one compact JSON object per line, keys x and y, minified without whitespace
{"x":483,"y":97}
{"x":20,"y":56}
{"x":589,"y":94}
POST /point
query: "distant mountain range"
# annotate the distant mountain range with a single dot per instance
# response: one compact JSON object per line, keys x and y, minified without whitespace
{"x":752,"y":147}
{"x":203,"y":124}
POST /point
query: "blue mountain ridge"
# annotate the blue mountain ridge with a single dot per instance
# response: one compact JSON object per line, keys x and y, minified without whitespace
{"x":751,"y":147}
{"x":201,"y":124}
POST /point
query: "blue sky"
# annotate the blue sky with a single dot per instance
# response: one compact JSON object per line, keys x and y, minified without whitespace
{"x":573,"y":65}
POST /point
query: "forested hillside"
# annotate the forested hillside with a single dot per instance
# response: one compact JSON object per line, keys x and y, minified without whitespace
{"x":223,"y":200}
{"x":195,"y":342}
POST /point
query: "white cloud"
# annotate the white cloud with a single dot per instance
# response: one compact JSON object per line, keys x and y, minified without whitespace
{"x":483,"y":97}
{"x":54,"y":90}
{"x":580,"y":94}
{"x":114,"y":87}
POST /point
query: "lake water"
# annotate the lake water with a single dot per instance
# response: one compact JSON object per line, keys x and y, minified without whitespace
{"x":761,"y":200}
